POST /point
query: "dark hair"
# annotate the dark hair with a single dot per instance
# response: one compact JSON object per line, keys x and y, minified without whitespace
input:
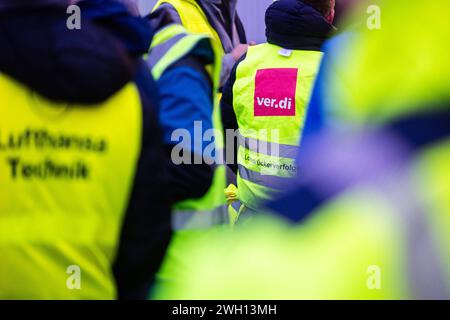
{"x":323,"y":6}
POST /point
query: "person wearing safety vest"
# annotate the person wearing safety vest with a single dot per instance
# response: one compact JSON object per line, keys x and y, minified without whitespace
{"x":82,"y":209}
{"x":370,"y":219}
{"x":267,"y":95}
{"x":217,"y":19}
{"x":186,"y":67}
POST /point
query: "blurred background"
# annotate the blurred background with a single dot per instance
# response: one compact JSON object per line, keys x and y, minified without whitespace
{"x":250,"y":11}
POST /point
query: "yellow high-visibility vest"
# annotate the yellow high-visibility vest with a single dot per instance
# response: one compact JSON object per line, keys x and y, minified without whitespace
{"x":270,"y":99}
{"x":65,"y":176}
{"x":191,"y":218}
{"x":193,"y":18}
{"x":169,"y":46}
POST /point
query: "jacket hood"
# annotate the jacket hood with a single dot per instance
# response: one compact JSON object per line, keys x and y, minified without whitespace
{"x":84,"y":66}
{"x":295,"y":25}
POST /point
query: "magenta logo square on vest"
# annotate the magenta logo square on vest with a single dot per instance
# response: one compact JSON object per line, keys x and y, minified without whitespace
{"x":275,"y":92}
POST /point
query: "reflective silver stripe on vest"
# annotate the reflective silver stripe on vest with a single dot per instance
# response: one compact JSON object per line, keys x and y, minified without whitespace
{"x":269,"y":148}
{"x":269,"y":181}
{"x":199,"y":220}
{"x":158,"y":52}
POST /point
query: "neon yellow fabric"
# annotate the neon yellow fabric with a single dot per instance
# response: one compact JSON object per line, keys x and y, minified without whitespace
{"x":63,"y":201}
{"x":193,"y":18}
{"x":184,"y":46}
{"x":279,"y":129}
{"x":326,"y":259}
{"x":214,"y":200}
{"x":354,"y":247}
{"x":410,"y":74}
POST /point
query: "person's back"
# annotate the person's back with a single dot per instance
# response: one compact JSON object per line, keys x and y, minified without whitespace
{"x":268,"y":94}
{"x":72,"y":142}
{"x":59,"y":200}
{"x":371,"y":213}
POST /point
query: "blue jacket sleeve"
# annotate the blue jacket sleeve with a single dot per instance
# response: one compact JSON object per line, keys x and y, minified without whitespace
{"x":186,"y":104}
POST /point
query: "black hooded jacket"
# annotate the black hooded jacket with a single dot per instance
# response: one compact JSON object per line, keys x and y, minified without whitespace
{"x":38,"y":49}
{"x":290,"y":24}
